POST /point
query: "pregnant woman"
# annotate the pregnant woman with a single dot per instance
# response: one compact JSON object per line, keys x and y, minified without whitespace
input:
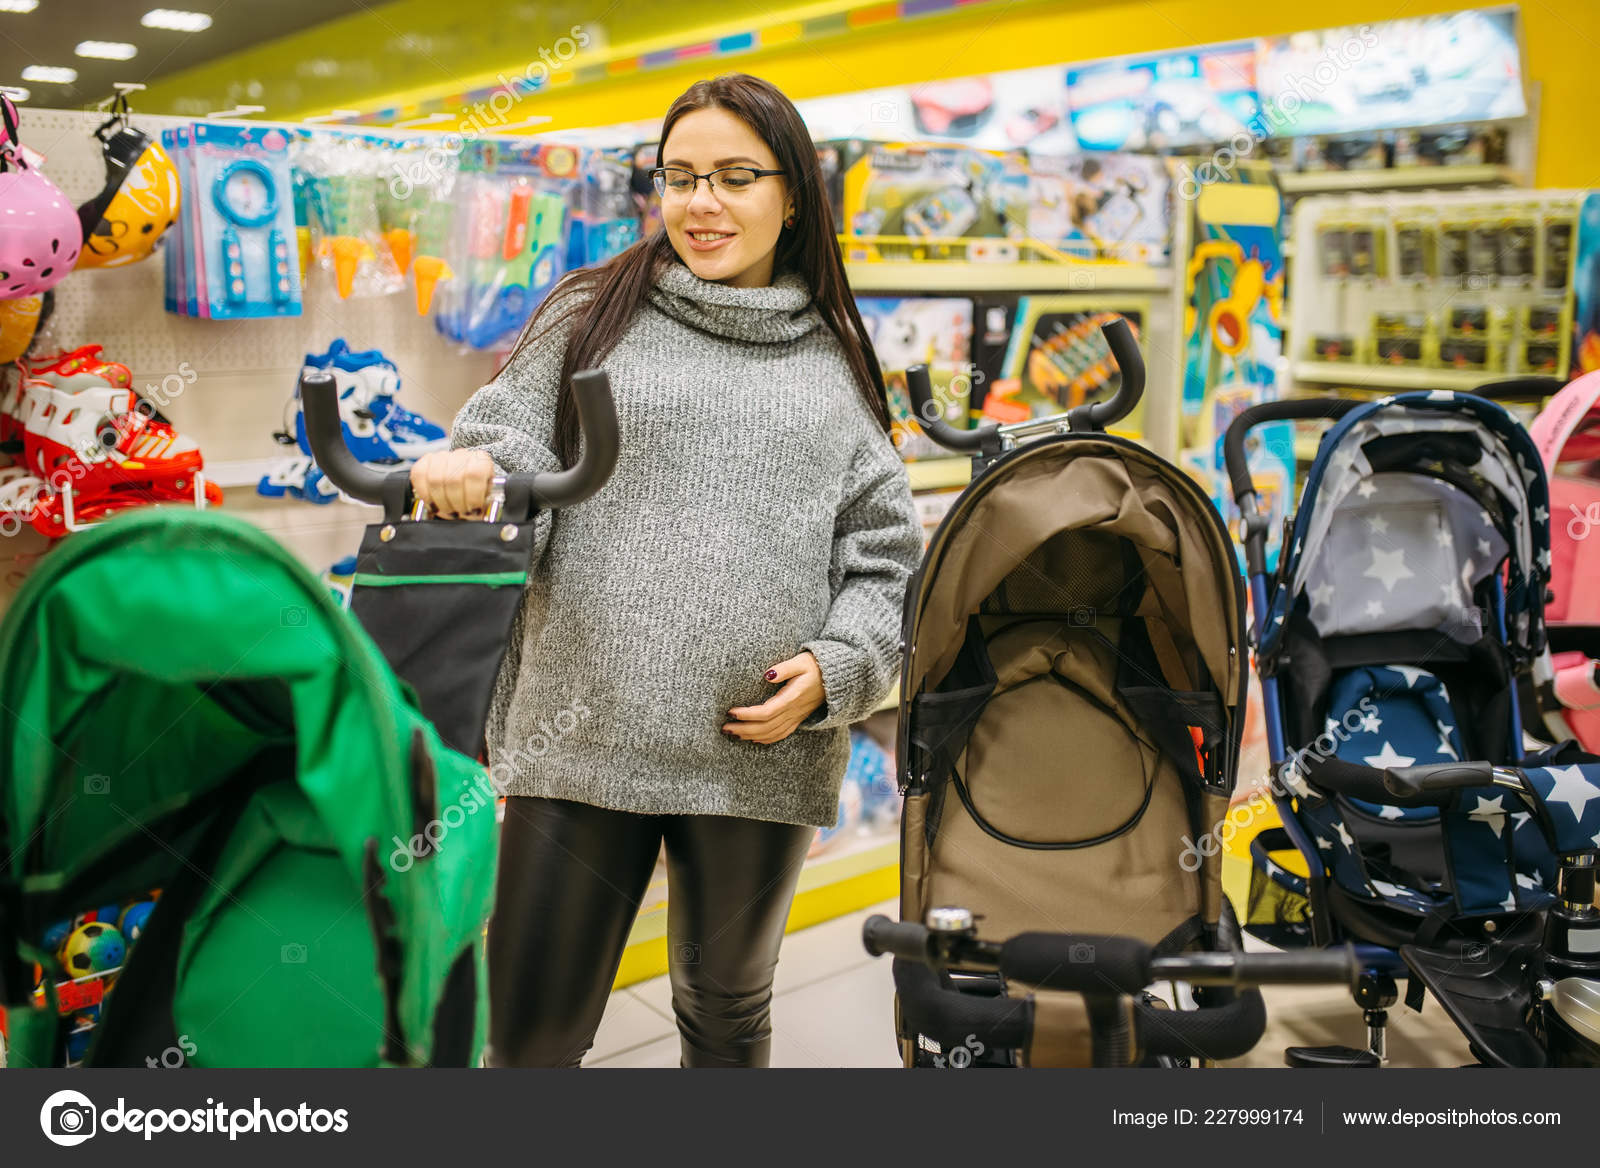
{"x":697,"y":637}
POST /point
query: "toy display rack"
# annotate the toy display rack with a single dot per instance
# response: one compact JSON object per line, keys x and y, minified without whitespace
{"x":226,"y":383}
{"x":1322,"y":305}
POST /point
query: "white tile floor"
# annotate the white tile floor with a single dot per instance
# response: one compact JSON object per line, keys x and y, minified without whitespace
{"x":833,"y":1006}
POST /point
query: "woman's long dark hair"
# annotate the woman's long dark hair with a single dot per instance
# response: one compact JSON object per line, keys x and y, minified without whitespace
{"x":810,"y":249}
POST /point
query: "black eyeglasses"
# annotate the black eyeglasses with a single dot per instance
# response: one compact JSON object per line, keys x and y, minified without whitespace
{"x":680,"y":184}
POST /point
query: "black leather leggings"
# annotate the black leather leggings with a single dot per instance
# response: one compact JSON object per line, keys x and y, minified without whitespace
{"x":571,"y":879}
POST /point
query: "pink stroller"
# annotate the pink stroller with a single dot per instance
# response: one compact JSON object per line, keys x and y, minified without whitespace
{"x":1567,"y":434}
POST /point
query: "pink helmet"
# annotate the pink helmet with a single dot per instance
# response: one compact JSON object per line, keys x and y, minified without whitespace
{"x":40,"y":235}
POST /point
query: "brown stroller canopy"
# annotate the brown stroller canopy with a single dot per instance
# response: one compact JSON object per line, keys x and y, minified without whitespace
{"x":1011,"y":533}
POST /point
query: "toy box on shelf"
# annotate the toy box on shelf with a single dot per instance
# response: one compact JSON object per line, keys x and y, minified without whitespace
{"x":1434,"y":290}
{"x":909,"y":201}
{"x":1056,"y":359}
{"x":931,"y":331}
{"x":1102,"y":205}
{"x":1586,"y":289}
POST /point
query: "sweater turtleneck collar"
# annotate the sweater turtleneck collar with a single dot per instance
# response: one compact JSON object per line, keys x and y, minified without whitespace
{"x":780,"y":312}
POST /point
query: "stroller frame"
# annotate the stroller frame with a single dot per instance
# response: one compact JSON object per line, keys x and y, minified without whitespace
{"x":1180,"y":708}
{"x":1509,"y":1016}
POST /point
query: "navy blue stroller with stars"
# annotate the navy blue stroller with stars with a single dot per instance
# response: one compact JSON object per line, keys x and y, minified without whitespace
{"x":1406,"y":605}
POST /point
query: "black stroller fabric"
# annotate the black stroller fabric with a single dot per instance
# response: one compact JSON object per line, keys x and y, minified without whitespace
{"x":445,"y":632}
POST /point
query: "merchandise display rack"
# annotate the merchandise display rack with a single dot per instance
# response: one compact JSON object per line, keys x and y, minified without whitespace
{"x":1312,"y":182}
{"x":1322,"y":304}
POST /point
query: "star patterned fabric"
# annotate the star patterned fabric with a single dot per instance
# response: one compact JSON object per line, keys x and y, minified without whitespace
{"x":1414,"y":576}
{"x":1397,"y":716}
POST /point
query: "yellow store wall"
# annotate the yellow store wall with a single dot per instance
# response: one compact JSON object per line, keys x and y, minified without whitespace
{"x":1561,"y":43}
{"x":1561,"y":56}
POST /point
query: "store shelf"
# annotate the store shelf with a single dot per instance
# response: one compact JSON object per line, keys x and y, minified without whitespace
{"x":1033,"y":276}
{"x":938,"y":474}
{"x":1390,"y":376}
{"x":1397,"y":178}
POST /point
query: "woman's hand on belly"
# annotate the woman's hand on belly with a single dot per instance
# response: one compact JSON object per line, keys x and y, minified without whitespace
{"x":781,"y":714}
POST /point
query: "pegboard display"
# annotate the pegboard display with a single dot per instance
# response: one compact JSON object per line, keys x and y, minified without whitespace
{"x":228,"y":384}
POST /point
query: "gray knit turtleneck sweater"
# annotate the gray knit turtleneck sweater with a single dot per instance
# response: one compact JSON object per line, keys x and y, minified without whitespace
{"x":757,"y":510}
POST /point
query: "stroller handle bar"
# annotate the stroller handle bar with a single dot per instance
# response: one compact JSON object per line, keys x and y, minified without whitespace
{"x":1098,"y":968}
{"x":1533,"y":388}
{"x":1289,"y":410}
{"x":597,"y":419}
{"x":1095,"y":416}
{"x":1086,"y":963}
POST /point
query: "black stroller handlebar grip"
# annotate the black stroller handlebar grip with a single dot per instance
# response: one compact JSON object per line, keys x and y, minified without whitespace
{"x":905,"y":939}
{"x":1214,"y":1032}
{"x":597,"y":418}
{"x":1531,"y":388}
{"x":1291,"y":410}
{"x":1079,"y":962}
{"x":1415,"y":782}
{"x":319,"y":400}
{"x":926,"y":412}
{"x":1130,"y":364}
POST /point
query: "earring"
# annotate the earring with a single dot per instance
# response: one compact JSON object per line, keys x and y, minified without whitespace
{"x":789,"y":222}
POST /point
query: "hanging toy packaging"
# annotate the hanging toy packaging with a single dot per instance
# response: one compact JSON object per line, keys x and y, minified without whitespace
{"x":606,"y":223}
{"x":510,"y":238}
{"x":415,"y":213}
{"x":343,"y":176}
{"x":238,"y":257}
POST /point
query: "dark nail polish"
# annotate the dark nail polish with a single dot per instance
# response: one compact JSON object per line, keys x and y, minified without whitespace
{"x":772,"y":674}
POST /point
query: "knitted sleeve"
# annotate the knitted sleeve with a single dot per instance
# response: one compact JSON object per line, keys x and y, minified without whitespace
{"x":877,"y":544}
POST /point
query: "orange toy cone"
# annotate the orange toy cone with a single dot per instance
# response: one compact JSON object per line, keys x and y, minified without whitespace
{"x":348,"y":251}
{"x":401,"y":244}
{"x":429,"y":271}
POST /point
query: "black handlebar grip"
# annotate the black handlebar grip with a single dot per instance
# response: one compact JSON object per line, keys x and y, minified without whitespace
{"x":319,"y":401}
{"x":1211,"y":1032}
{"x":905,"y":939}
{"x":1533,"y":389}
{"x":1130,"y":364}
{"x":1294,"y":409}
{"x":597,"y":419}
{"x":1080,"y":962}
{"x":926,"y":413}
{"x":1414,"y":782}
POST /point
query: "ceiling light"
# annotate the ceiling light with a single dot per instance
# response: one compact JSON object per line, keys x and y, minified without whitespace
{"x":16,"y":92}
{"x":18,"y":5}
{"x":106,"y":50}
{"x":55,"y":74}
{"x":173,"y":18}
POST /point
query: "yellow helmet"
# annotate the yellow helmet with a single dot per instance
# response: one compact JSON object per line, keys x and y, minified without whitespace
{"x":138,"y":203}
{"x":19,"y":320}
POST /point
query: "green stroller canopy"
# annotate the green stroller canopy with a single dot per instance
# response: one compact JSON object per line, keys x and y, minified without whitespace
{"x":189,"y":710}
